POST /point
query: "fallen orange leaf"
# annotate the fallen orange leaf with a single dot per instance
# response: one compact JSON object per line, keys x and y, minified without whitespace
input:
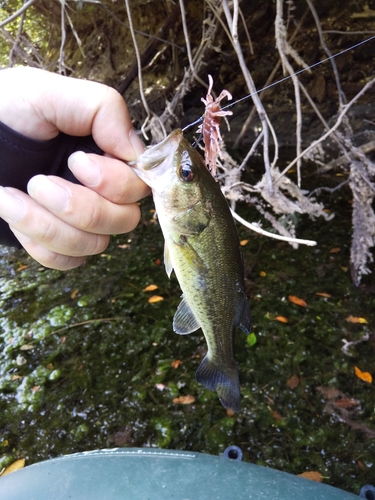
{"x":263,"y":274}
{"x":176,"y":363}
{"x":157,"y":262}
{"x":244,"y":242}
{"x":155,"y":298}
{"x":365,"y":376}
{"x":18,"y":464}
{"x":296,"y":300}
{"x":354,"y":319}
{"x":230,"y":412}
{"x":282,"y":319}
{"x":323,"y":294}
{"x":313,"y":475}
{"x":293,"y":382}
{"x":184,"y":400}
{"x":276,"y":415}
{"x":74,"y":293}
{"x":21,"y":268}
{"x":150,"y":288}
{"x":335,"y":250}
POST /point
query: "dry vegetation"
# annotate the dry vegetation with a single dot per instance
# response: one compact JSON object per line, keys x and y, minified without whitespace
{"x":159,"y":55}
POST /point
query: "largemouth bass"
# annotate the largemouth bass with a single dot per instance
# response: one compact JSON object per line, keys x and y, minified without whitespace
{"x":202,"y":246}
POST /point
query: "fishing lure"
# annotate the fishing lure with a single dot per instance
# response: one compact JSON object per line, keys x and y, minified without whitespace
{"x":210,"y":127}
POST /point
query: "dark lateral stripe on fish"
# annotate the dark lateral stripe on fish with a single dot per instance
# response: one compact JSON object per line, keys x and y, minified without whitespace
{"x":226,"y":384}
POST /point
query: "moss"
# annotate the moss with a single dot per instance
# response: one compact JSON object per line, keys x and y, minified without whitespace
{"x":91,"y":374}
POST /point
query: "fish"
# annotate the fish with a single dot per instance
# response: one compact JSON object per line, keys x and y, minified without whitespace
{"x":202,"y":247}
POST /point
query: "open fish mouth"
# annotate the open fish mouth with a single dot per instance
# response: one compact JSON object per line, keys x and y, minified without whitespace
{"x":155,"y":155}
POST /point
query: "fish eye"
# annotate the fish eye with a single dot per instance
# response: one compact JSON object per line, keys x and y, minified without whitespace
{"x":185,"y":170}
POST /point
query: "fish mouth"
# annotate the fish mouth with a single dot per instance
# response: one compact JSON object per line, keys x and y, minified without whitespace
{"x":154,"y":156}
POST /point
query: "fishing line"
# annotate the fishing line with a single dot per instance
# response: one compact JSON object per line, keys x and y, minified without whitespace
{"x":200,"y":119}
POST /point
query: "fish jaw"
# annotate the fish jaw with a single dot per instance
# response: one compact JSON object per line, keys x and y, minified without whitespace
{"x":156,"y":161}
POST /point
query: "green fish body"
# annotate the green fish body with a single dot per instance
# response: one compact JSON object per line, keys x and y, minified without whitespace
{"x":202,"y":246}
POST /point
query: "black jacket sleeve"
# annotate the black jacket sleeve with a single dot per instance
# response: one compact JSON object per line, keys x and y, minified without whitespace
{"x":21,"y":158}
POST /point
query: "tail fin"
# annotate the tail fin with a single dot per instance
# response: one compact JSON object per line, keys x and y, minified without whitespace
{"x":225,"y":383}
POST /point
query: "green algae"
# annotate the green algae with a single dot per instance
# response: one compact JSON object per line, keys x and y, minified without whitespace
{"x":86,"y":361}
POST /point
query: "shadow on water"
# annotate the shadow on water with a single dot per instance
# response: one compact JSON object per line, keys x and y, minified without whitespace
{"x":86,"y":360}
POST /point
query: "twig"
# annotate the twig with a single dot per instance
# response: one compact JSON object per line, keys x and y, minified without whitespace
{"x":139,"y":63}
{"x":283,"y":48}
{"x":368,"y":147}
{"x":17,"y":13}
{"x":187,"y":43}
{"x":342,"y":98}
{"x":150,"y":48}
{"x":87,"y":322}
{"x":252,"y":150}
{"x":257,"y":229}
{"x":19,"y":33}
{"x":347,"y":345}
{"x":245,"y":126}
{"x":331,"y":130}
{"x":63,"y":38}
{"x":252,"y":89}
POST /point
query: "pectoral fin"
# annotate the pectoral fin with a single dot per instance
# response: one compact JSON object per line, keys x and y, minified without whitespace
{"x":167,"y":261}
{"x":184,"y":321}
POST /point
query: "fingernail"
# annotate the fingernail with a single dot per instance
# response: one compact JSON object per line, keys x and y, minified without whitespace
{"x":136,"y":142}
{"x":50,"y":194}
{"x":86,"y":170}
{"x":12,"y":208}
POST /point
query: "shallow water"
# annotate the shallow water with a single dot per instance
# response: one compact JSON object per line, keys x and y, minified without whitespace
{"x":85,"y":360}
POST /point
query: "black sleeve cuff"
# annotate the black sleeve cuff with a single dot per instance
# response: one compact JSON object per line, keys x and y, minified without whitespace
{"x":21,"y":158}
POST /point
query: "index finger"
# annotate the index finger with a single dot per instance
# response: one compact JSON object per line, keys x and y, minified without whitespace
{"x":54,"y":103}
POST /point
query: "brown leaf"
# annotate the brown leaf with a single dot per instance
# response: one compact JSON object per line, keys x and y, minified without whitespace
{"x":313,"y":475}
{"x":17,"y":465}
{"x":74,"y":293}
{"x":244,"y":242}
{"x":335,"y":250}
{"x":365,"y":376}
{"x":323,"y":294}
{"x":21,"y":268}
{"x":297,"y":301}
{"x":150,"y":288}
{"x":124,"y":246}
{"x":155,"y":298}
{"x":176,"y":363}
{"x":282,"y":319}
{"x":345,"y":403}
{"x":355,"y":319}
{"x":184,"y":400}
{"x":35,"y":388}
{"x":293,"y":382}
{"x":276,"y":415}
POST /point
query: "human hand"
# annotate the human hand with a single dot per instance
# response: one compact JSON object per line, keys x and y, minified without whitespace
{"x":59,"y":223}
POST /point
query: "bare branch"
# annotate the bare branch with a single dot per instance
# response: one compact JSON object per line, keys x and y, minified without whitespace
{"x":17,"y":13}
